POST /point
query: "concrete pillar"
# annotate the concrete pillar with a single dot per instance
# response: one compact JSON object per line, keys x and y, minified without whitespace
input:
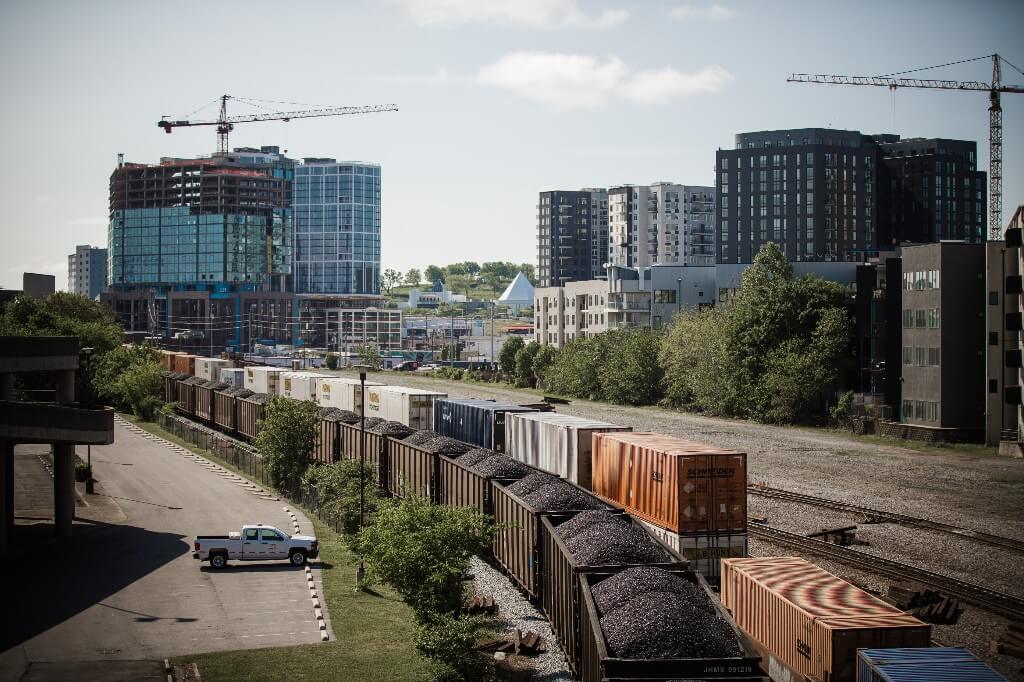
{"x":65,"y":386}
{"x":63,"y":488}
{"x":6,"y":494}
{"x":7,"y":386}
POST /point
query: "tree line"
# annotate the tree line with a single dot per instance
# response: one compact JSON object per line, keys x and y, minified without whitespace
{"x":459,"y":277}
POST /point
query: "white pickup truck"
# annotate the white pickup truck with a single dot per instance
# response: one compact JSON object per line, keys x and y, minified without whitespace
{"x":254,"y":543}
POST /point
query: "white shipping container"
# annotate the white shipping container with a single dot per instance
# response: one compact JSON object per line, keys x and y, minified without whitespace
{"x":413,"y":407}
{"x":300,"y":385}
{"x":233,"y":376}
{"x":209,"y":368}
{"x":557,"y":443}
{"x":263,"y":379}
{"x":342,"y":393}
{"x":704,"y":551}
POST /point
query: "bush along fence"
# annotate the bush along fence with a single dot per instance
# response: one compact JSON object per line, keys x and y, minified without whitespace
{"x":247,"y":460}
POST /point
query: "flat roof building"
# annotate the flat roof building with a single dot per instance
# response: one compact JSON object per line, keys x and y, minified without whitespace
{"x":87,"y":271}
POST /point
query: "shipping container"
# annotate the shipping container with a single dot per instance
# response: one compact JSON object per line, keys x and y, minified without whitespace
{"x":597,"y":664}
{"x":233,"y":377}
{"x":412,"y":470}
{"x":342,"y":393}
{"x":224,"y":410}
{"x":685,"y":487}
{"x":480,"y":422}
{"x":560,"y":576}
{"x":461,"y":486}
{"x":300,"y":385}
{"x":376,"y":447}
{"x":263,"y":379}
{"x":933,"y":664}
{"x":185,"y":364}
{"x":806,"y":621}
{"x":209,"y":368}
{"x":518,"y":544}
{"x":250,"y":412}
{"x":704,"y":551}
{"x":167,"y":359}
{"x":413,"y":407}
{"x":559,"y":444}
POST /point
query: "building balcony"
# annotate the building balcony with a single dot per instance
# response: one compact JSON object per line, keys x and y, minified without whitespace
{"x":627,"y":307}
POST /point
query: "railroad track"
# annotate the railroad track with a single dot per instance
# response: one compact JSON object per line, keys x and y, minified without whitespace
{"x":967,"y":592}
{"x":890,"y":517}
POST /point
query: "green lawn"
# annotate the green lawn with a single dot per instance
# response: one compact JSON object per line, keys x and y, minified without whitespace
{"x":373,"y":631}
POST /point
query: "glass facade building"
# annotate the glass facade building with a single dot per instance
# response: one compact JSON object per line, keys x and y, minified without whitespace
{"x":337,"y":227}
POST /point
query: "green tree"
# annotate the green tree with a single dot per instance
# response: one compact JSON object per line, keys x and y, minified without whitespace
{"x":630,"y":372}
{"x":451,"y":643}
{"x":422,"y":551}
{"x":369,"y":355}
{"x":575,"y":373}
{"x":507,"y":355}
{"x":331,"y":361}
{"x":413,"y":277}
{"x":109,"y":367}
{"x":542,"y":363}
{"x":528,"y":270}
{"x":524,"y":364}
{"x":459,"y":283}
{"x":698,"y":370}
{"x":433,"y":274}
{"x":389,"y":279}
{"x":286,"y":437}
{"x":455,"y":269}
{"x":472,"y":268}
{"x":140,"y":386}
{"x":337,"y":487}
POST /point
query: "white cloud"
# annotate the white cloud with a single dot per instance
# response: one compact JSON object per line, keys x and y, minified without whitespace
{"x":569,"y":81}
{"x":525,"y":13}
{"x":714,"y":13}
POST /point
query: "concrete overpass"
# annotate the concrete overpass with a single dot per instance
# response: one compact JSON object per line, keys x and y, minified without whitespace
{"x":62,"y":424}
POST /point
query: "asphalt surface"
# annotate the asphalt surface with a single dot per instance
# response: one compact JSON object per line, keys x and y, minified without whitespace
{"x":126,"y":588}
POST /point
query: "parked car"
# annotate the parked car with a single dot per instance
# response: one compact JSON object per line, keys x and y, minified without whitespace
{"x":406,"y":366}
{"x":254,"y":543}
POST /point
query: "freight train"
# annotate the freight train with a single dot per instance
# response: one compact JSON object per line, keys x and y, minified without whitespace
{"x":635,"y":503}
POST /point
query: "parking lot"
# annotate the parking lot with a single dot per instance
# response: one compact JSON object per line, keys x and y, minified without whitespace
{"x":129,"y":589}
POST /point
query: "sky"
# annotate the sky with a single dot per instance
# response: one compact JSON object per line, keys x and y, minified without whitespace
{"x":498,"y":100}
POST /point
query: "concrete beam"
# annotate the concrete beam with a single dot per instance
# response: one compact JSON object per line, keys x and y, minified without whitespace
{"x":6,"y":495}
{"x":63,"y":488}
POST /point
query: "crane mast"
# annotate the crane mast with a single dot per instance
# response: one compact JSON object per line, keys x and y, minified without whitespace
{"x":225,"y":124}
{"x":995,"y":119}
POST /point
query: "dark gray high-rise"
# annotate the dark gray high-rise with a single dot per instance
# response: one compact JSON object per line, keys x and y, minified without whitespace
{"x":839,"y":195}
{"x":572,"y":236}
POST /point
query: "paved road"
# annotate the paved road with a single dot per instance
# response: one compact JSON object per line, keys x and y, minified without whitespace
{"x":129,"y":589}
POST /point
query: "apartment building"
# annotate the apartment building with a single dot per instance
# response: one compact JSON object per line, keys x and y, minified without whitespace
{"x":87,"y":271}
{"x":661,"y":224}
{"x":572,"y":236}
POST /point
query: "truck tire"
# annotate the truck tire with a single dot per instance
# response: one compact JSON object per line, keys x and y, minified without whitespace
{"x":297,"y":557}
{"x":218,"y":560}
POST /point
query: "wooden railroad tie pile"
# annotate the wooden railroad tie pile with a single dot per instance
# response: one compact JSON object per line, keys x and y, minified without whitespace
{"x":1011,"y":642}
{"x":924,"y":604}
{"x":844,"y":537}
{"x":482,"y":604}
{"x":526,"y":644}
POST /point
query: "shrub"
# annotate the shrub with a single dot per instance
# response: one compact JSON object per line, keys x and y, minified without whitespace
{"x":451,"y":643}
{"x":286,"y":437}
{"x":338,"y":489}
{"x":423,"y":550}
{"x":839,"y":414}
{"x":507,"y":355}
{"x":331,"y":361}
{"x":83,"y":472}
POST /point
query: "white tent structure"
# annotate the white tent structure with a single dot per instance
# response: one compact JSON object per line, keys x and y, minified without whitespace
{"x":518,"y":294}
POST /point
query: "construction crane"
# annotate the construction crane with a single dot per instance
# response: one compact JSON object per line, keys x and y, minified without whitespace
{"x":995,"y":116}
{"x":225,"y":124}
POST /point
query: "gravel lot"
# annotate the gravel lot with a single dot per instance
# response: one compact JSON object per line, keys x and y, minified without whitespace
{"x":979,"y":491}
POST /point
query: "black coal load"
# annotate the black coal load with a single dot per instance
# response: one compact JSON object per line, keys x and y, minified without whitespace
{"x":528,"y":484}
{"x":420,"y":437}
{"x":475,"y":456}
{"x":613,"y":592}
{"x":667,"y":625}
{"x":347,"y":416}
{"x":443,"y":445}
{"x":369,"y":423}
{"x":614,"y":543}
{"x":501,"y":466}
{"x":259,"y":398}
{"x":389,"y":428}
{"x":559,"y":495}
{"x":586,"y":519}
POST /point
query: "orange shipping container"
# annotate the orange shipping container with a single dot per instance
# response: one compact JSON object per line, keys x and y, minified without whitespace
{"x":688,"y":488}
{"x":807,"y":621}
{"x":185,"y":364}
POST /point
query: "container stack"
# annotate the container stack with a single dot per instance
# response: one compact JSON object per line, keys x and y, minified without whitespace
{"x":692,"y":496}
{"x":413,"y":407}
{"x":557,"y":443}
{"x":209,"y":368}
{"x":300,"y":385}
{"x":480,"y":422}
{"x":806,"y":621}
{"x":263,"y":379}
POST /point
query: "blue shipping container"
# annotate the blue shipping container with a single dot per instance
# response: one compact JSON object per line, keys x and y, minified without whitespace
{"x":480,"y":422}
{"x":937,"y":664}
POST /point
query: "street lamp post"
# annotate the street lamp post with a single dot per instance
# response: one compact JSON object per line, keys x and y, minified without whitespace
{"x":89,"y":482}
{"x":361,"y":571}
